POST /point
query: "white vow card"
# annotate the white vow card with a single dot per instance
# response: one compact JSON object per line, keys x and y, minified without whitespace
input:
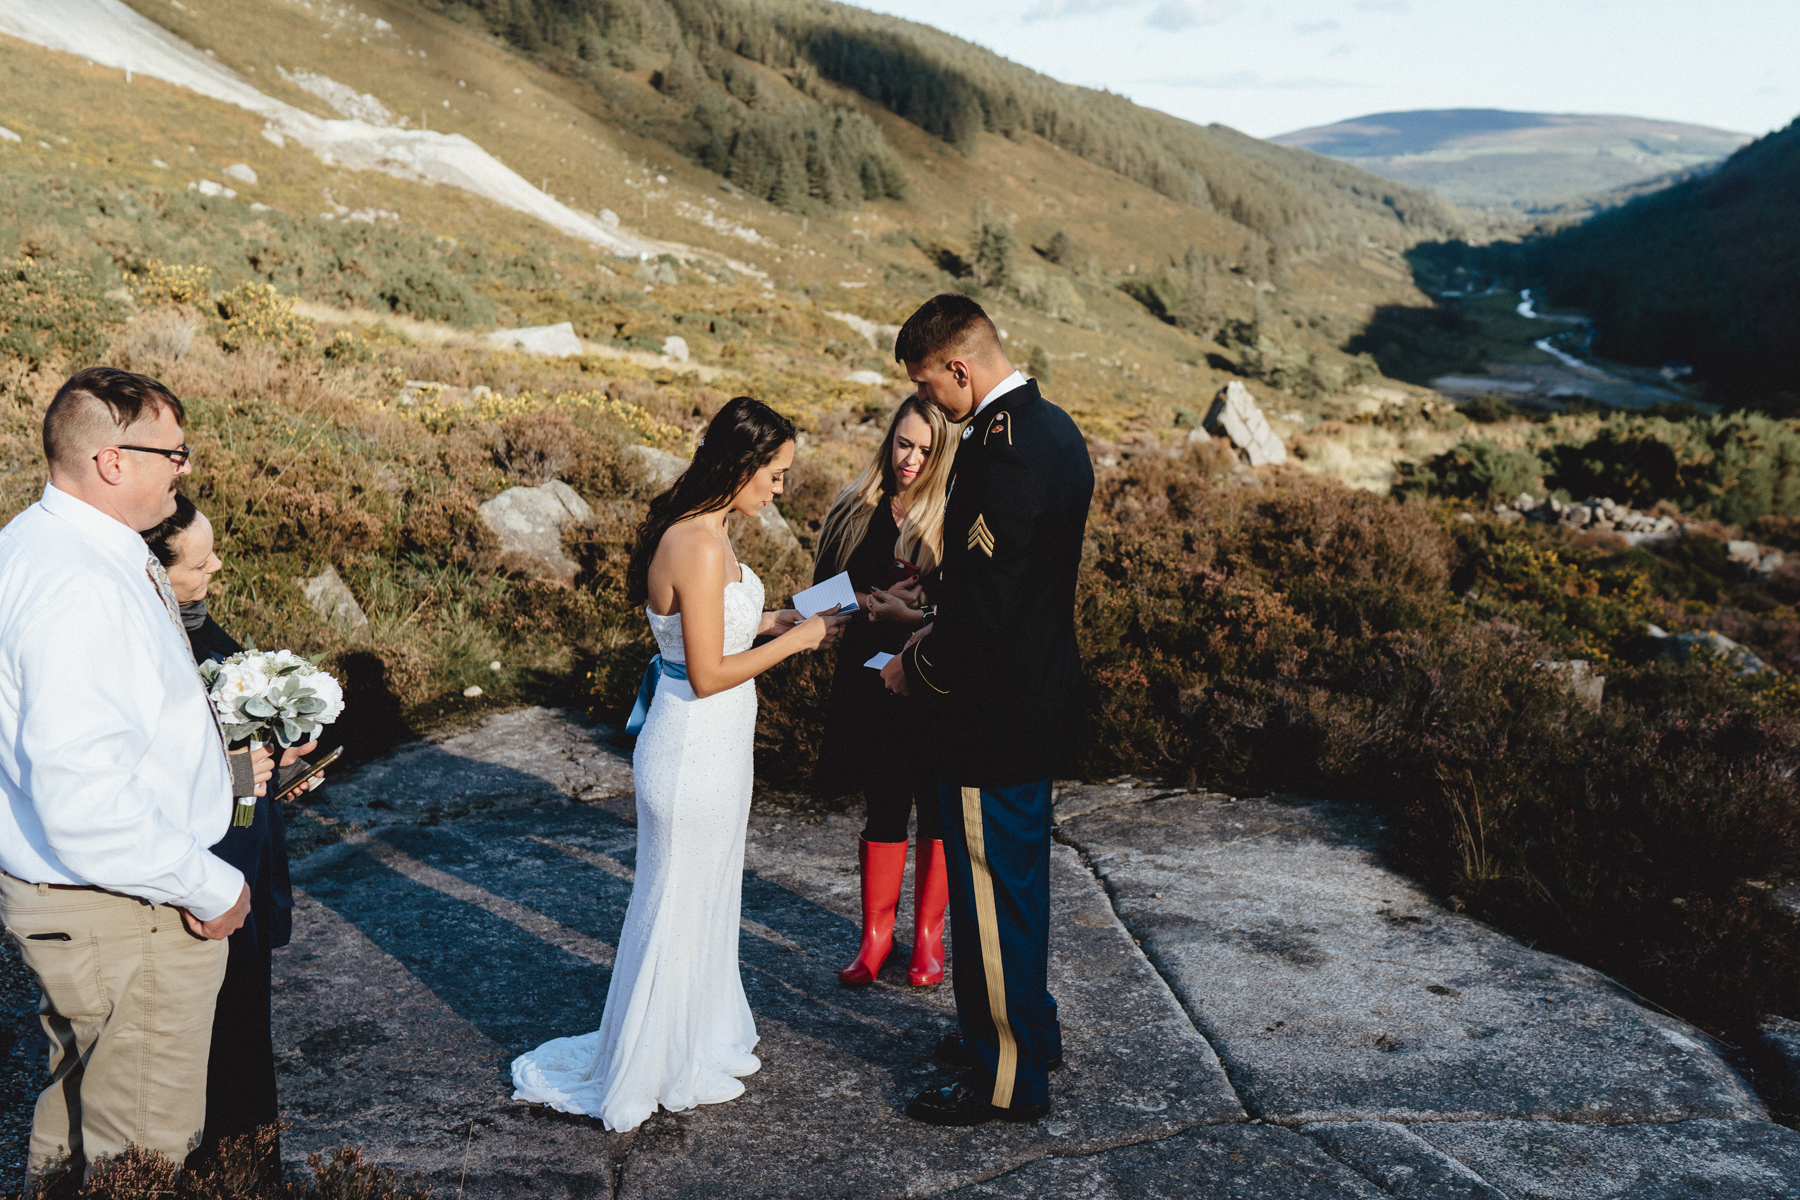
{"x":821,"y":596}
{"x":879,"y":661}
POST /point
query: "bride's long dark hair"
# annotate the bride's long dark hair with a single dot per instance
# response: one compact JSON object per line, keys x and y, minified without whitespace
{"x":742,"y":439}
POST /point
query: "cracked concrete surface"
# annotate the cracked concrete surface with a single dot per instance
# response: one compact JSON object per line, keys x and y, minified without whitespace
{"x":1253,"y":1006}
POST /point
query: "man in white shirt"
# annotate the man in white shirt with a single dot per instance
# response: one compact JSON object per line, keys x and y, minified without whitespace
{"x":115,"y":781}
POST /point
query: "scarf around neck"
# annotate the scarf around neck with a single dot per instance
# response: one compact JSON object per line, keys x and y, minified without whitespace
{"x":193,"y":614}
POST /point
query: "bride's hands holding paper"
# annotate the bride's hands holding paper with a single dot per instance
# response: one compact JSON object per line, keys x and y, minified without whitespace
{"x":820,"y":630}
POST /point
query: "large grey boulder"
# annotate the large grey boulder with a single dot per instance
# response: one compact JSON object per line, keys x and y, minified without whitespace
{"x":1236,"y":415}
{"x":331,"y":599}
{"x":1334,"y":989}
{"x":660,"y":469}
{"x":529,"y":524}
{"x":1583,"y":682}
{"x":552,"y":341}
{"x":1706,"y":642}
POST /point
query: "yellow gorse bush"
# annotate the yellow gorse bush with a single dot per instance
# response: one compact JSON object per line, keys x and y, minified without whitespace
{"x":256,"y":312}
{"x":161,"y":283}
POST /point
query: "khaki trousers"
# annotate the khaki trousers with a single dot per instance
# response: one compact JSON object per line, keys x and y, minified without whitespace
{"x":128,"y":1008}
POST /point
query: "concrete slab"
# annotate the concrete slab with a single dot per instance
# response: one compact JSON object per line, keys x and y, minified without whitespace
{"x":1536,"y":1160}
{"x":1227,"y":1162}
{"x":1333,"y":988}
{"x":1400,"y":1162}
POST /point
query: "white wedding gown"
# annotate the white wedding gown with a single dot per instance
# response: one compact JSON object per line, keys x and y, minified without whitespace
{"x":677,"y":1029}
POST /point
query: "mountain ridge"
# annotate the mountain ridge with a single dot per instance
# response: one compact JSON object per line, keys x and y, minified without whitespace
{"x":1529,"y":161}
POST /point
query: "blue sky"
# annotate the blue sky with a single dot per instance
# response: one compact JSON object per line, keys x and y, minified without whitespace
{"x":1268,"y":68}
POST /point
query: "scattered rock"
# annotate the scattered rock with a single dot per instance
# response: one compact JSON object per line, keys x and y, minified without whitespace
{"x":1579,"y":678}
{"x":872,"y":378}
{"x":1779,"y":1041}
{"x":242,"y":172}
{"x":552,"y":341}
{"x":1708,"y":641}
{"x":660,"y":469}
{"x":1747,"y":560}
{"x":331,"y":599}
{"x":877,"y":334}
{"x":529,"y":523}
{"x":207,"y":187}
{"x":1598,"y":513}
{"x":675,"y":348}
{"x":1236,"y":414}
{"x":7,"y":135}
{"x":608,"y":218}
{"x":472,"y":691}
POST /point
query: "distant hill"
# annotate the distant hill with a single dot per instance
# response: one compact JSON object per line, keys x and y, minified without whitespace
{"x":1491,"y":158}
{"x":748,"y":89}
{"x":1707,"y":271}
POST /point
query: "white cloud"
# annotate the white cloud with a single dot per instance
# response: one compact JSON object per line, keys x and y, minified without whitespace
{"x":1049,"y":9}
{"x":1309,"y":27}
{"x":1393,"y":6}
{"x":1185,"y":14}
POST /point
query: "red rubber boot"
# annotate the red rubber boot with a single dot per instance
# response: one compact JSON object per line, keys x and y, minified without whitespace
{"x":883,"y":867}
{"x":931,"y":890}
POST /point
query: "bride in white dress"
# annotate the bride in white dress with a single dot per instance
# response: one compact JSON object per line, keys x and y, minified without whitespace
{"x":677,"y":1029}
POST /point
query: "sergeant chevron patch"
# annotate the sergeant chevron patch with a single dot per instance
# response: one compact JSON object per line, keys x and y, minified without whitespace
{"x":981,"y":537}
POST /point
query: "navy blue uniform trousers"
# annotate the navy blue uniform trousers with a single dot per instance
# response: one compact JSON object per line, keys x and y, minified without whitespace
{"x":997,"y":849}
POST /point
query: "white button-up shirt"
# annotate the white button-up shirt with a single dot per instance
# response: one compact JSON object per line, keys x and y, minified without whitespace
{"x":111,"y":769}
{"x":1010,"y":383}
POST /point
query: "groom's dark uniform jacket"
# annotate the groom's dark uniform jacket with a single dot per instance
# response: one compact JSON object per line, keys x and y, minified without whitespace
{"x":999,"y":678}
{"x":999,"y":673}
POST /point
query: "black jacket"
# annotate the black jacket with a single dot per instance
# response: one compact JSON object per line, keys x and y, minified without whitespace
{"x":1000,"y":672}
{"x":258,"y":849}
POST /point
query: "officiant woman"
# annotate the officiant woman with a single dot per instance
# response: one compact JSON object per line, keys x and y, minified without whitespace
{"x":240,"y":1074}
{"x":887,"y":530}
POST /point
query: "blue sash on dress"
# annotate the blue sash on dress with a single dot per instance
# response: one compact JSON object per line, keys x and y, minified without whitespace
{"x":640,"y":712}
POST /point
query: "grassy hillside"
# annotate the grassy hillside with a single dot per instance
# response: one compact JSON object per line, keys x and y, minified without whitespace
{"x":1721,"y":287}
{"x":743,"y":78}
{"x":1530,"y":162}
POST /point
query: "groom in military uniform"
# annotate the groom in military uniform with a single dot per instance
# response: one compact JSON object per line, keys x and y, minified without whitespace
{"x":997,"y":670}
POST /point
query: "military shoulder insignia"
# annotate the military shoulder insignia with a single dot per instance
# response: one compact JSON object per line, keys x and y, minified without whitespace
{"x":981,"y":537}
{"x":968,"y":431}
{"x":998,"y":426}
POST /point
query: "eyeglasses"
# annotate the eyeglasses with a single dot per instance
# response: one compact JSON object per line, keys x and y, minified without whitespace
{"x":180,"y":456}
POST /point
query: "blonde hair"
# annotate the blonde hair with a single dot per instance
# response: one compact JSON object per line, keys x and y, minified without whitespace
{"x":921,"y":540}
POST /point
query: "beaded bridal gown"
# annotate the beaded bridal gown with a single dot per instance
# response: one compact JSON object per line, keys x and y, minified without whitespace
{"x":677,"y":1029}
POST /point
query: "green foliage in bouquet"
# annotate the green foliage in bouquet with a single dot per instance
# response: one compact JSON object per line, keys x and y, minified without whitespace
{"x":271,"y":696}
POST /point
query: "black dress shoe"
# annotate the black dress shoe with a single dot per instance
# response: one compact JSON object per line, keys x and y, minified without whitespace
{"x":953,"y":1051}
{"x":965,"y":1102}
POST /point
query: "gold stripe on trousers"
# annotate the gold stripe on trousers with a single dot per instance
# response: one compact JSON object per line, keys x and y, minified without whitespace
{"x":988,"y":922}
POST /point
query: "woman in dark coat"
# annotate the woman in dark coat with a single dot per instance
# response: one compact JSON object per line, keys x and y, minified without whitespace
{"x":240,"y":1075}
{"x":887,"y":530}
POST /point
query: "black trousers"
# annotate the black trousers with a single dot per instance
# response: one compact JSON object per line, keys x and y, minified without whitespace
{"x":891,"y":800}
{"x":240,"y":1075}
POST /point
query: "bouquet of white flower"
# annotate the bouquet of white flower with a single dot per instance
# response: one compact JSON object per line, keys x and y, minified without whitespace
{"x":270,"y":696}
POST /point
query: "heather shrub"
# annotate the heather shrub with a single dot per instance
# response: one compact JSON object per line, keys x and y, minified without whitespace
{"x":1333,"y":642}
{"x":1475,"y":470}
{"x":47,"y":312}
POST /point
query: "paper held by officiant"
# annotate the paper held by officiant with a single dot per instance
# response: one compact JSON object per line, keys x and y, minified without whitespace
{"x":820,"y":597}
{"x":880,"y":660}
